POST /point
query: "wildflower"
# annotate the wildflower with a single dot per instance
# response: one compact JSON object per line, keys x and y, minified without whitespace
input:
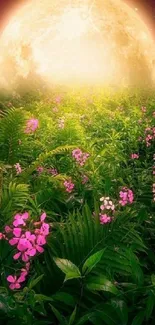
{"x":80,"y":156}
{"x":31,"y":125}
{"x":15,"y":282}
{"x":52,"y":171}
{"x":40,"y":169}
{"x":1,"y":235}
{"x":58,"y":99}
{"x":107,"y":204}
{"x":8,"y":229}
{"x":126,"y":196}
{"x":104,"y":218}
{"x":18,"y":168}
{"x":69,"y":186}
{"x":19,"y":219}
{"x":134,"y":156}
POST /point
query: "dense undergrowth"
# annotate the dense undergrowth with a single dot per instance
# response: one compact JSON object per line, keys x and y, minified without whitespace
{"x":84,"y":162}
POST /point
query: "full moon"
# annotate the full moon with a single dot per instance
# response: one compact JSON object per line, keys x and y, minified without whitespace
{"x":76,"y":42}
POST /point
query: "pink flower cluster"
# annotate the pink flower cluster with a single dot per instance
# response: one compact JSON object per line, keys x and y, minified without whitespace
{"x":18,"y":168}
{"x":126,"y":196}
{"x":80,"y":156}
{"x":69,"y":186}
{"x":134,"y":156}
{"x":27,"y":243}
{"x":15,"y":283}
{"x":52,"y":171}
{"x":31,"y":125}
{"x":106,"y":207}
{"x":40,"y":169}
{"x":149,"y":135}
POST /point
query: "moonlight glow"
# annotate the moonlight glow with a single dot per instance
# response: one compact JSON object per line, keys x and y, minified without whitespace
{"x":76,"y":42}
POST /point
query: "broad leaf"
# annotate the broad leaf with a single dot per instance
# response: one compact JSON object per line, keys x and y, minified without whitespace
{"x":101,"y":283}
{"x":60,"y":318}
{"x":72,"y":317}
{"x":150,"y":303}
{"x":92,"y":261}
{"x":67,"y":267}
{"x":121,"y":309}
{"x":139,"y":318}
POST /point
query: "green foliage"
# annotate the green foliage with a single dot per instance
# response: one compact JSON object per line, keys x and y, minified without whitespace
{"x":89,"y":273}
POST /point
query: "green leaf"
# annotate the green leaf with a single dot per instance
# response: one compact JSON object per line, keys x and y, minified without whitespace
{"x":65,"y":298}
{"x":101,"y":283}
{"x":84,"y":319}
{"x":138,"y":320}
{"x":136,"y":269}
{"x":72,"y":317}
{"x":150,"y":302}
{"x":34,"y":282}
{"x":153,"y":279}
{"x":40,"y":298}
{"x":121,"y":309}
{"x":67,"y":267}
{"x":92,"y":261}
{"x":61,"y":319}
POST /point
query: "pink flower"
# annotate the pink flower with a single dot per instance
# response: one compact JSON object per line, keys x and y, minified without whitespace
{"x":1,"y":236}
{"x":40,"y":169}
{"x":58,"y":99}
{"x":15,"y":283}
{"x":104,"y":218}
{"x":18,"y":168}
{"x":69,"y":186}
{"x":80,"y":156}
{"x":24,"y":244}
{"x":126,"y":196}
{"x":134,"y":156}
{"x":17,"y":232}
{"x":8,"y":229}
{"x":19,"y":219}
{"x":43,"y":217}
{"x":52,"y":171}
{"x":31,"y":125}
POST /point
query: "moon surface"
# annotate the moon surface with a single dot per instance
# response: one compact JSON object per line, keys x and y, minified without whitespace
{"x":77,"y":42}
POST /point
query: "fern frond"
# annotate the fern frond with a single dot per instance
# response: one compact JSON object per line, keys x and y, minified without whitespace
{"x":13,"y":198}
{"x":43,"y":157}
{"x":11,"y":130}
